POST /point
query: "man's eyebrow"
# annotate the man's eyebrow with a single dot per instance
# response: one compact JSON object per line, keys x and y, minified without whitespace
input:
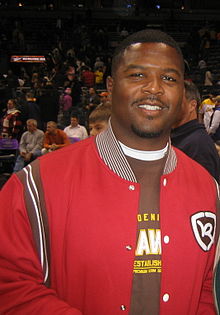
{"x":140,"y":67}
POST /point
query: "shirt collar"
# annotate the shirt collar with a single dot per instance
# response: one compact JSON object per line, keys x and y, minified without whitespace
{"x":113,"y":156}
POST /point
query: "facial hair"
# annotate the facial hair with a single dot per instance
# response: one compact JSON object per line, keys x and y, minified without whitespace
{"x":144,"y":134}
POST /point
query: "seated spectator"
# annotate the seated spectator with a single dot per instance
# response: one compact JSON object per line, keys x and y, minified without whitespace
{"x":98,"y":119}
{"x":11,"y":124}
{"x":30,"y":145}
{"x":54,"y":138}
{"x":74,"y":130}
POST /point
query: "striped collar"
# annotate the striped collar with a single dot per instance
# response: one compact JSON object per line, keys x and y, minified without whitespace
{"x":113,"y":156}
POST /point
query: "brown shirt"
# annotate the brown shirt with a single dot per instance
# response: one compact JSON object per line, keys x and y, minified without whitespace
{"x":147,"y":264}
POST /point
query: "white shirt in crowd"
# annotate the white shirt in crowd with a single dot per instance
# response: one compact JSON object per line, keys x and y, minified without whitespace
{"x":76,"y":132}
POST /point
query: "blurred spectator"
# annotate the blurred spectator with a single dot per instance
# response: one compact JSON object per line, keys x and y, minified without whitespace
{"x":12,"y":84}
{"x":30,"y":145}
{"x":206,"y":110}
{"x":208,"y":81}
{"x":99,"y":74}
{"x":65,"y":107}
{"x":98,"y":119}
{"x":54,"y":138}
{"x":11,"y":124}
{"x":87,"y":77}
{"x":214,"y":129}
{"x":75,"y":130}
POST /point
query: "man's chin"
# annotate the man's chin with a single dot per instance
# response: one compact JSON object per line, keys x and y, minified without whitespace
{"x":145,"y":134}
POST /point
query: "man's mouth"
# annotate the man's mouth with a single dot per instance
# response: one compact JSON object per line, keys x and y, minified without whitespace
{"x":150,"y":107}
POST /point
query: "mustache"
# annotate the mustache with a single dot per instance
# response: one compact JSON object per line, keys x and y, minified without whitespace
{"x":150,"y":98}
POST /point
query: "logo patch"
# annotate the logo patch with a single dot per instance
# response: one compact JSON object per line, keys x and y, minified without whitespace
{"x":204,"y":226}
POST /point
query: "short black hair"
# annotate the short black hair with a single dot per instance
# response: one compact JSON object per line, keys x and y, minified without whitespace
{"x":144,"y":36}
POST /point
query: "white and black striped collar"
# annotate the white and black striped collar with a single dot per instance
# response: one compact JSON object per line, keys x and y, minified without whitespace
{"x":113,"y":156}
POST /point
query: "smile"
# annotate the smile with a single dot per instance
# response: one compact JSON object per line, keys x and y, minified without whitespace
{"x":150,"y":107}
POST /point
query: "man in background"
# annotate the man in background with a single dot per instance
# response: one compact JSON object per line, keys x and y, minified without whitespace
{"x":30,"y":145}
{"x":75,"y":130}
{"x":191,"y":137}
{"x":54,"y":138}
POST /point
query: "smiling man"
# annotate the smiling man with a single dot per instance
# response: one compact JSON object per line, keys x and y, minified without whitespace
{"x":131,"y":223}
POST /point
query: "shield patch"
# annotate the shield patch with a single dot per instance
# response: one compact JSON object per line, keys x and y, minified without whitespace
{"x":204,"y":226}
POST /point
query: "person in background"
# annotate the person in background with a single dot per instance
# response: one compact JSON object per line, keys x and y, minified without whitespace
{"x":11,"y":124}
{"x":87,"y":77}
{"x":54,"y":138}
{"x":65,"y":107}
{"x":104,"y":98}
{"x":99,"y":119}
{"x":214,"y":127}
{"x":30,"y":145}
{"x":75,"y":130}
{"x":128,"y":221}
{"x":191,"y":137}
{"x":206,"y":110}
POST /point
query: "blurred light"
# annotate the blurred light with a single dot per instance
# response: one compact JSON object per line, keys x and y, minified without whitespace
{"x":158,"y":6}
{"x":20,"y":4}
{"x":182,"y":8}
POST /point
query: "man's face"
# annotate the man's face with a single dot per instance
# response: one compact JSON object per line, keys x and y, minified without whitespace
{"x":97,"y":127}
{"x":91,"y":91}
{"x":147,"y":90}
{"x":51,"y":128}
{"x":74,"y":121}
{"x":10,"y":104}
{"x":31,"y":127}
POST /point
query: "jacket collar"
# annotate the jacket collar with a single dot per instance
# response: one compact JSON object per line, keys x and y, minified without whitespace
{"x":113,"y":156}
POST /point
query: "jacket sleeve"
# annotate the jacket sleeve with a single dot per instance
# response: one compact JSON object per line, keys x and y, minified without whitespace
{"x":21,"y":277}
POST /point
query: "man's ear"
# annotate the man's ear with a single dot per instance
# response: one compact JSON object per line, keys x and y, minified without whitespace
{"x":192,"y":106}
{"x":109,"y":84}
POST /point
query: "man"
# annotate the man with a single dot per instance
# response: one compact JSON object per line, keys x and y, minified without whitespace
{"x":74,"y":130}
{"x":54,"y":138}
{"x":104,"y":98}
{"x":30,"y":145}
{"x":191,"y":137}
{"x":125,"y":209}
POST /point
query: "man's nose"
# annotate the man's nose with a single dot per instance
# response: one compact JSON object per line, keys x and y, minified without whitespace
{"x":152,"y":86}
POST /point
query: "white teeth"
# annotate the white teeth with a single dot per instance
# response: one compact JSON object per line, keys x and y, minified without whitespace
{"x":150,"y":107}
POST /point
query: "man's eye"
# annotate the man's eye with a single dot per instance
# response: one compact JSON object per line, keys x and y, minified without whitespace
{"x":168,"y":78}
{"x":136,"y":75}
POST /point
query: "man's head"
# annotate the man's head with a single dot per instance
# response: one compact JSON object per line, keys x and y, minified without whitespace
{"x":31,"y":125}
{"x":51,"y":127}
{"x":11,"y":104}
{"x":68,"y":90}
{"x":92,"y":91}
{"x":104,"y":97}
{"x":74,"y":120}
{"x":190,"y":104}
{"x":146,"y":87}
{"x":98,"y":119}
